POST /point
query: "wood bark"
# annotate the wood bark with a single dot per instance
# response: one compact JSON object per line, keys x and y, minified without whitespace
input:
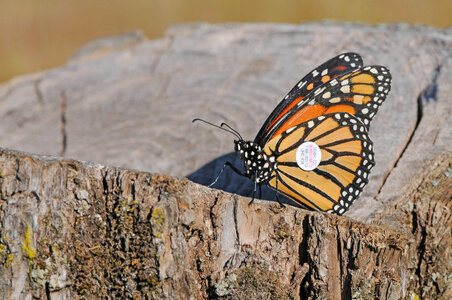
{"x":71,"y":229}
{"x":76,"y":230}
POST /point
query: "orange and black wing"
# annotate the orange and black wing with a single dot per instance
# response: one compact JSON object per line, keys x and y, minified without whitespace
{"x":344,"y":165}
{"x":341,"y":64}
{"x":359,"y":93}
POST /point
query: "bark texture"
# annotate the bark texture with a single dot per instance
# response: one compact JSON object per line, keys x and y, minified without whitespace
{"x":71,"y":229}
{"x":76,"y":230}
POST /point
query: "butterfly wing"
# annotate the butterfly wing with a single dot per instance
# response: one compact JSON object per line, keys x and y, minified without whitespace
{"x":334,"y":67}
{"x":359,"y":92}
{"x":346,"y":160}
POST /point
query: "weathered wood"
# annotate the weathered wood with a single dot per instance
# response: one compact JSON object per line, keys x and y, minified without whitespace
{"x":133,"y":106}
{"x":71,"y":229}
{"x":74,"y":230}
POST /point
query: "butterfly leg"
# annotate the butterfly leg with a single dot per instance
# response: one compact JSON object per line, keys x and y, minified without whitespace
{"x":254,"y":191}
{"x":226,"y":164}
{"x":276,"y":194}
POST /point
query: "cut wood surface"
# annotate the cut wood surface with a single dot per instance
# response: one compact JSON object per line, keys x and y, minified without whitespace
{"x":71,"y":229}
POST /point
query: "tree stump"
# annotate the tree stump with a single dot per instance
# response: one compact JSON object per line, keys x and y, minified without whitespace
{"x":72,"y":229}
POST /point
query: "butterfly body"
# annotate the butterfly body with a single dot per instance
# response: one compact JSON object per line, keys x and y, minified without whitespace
{"x":314,"y":147}
{"x":258,"y":165}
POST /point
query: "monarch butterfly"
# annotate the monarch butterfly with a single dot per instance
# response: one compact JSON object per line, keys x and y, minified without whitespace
{"x":314,"y":147}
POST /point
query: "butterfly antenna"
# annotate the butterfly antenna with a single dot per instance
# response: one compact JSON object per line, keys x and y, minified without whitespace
{"x":232,"y":131}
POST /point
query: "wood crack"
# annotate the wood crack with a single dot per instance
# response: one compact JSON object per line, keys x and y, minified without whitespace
{"x":160,"y":54}
{"x":428,"y":94}
{"x":38,"y":92}
{"x":305,"y":259}
{"x":236,"y":223}
{"x":63,"y":107}
{"x":212,"y":215}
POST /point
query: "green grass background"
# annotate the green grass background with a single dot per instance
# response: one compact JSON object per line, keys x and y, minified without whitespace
{"x":41,"y":34}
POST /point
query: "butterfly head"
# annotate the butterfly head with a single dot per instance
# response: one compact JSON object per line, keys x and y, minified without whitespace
{"x":257,"y":164}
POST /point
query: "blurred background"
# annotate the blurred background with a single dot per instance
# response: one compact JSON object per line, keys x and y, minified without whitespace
{"x":41,"y":34}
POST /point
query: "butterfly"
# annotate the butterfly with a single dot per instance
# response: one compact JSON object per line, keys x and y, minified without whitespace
{"x":314,"y":147}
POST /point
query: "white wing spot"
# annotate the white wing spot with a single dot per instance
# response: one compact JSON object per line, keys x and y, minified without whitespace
{"x":301,"y":84}
{"x":335,"y":100}
{"x":318,"y":91}
{"x":290,"y":129}
{"x":326,"y":95}
{"x":324,"y":72}
{"x":345,"y":89}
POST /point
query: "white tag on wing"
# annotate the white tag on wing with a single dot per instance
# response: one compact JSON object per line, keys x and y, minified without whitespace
{"x":308,"y":156}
